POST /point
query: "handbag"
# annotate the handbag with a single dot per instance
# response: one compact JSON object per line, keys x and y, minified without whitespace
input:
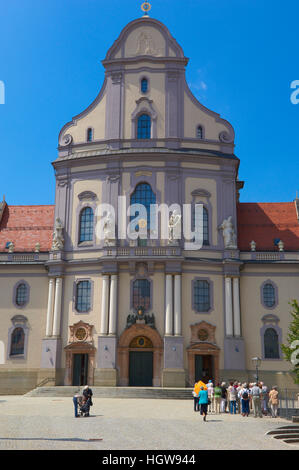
{"x":209,"y":401}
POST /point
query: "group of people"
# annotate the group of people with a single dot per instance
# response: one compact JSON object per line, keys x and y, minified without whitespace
{"x":235,"y":398}
{"x":82,"y":403}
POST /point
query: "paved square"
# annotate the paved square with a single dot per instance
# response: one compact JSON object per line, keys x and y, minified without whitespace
{"x":49,"y":424}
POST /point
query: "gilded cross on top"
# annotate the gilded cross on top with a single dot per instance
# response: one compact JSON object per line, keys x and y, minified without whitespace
{"x":146,"y":7}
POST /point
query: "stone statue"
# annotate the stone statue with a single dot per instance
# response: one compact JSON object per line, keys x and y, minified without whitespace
{"x":11,"y":247}
{"x":145,"y":45}
{"x":58,"y":240}
{"x":173,"y":227}
{"x":252,"y":245}
{"x":228,"y":232}
{"x":109,"y":230}
{"x":131,"y":320}
{"x":281,"y":245}
{"x":37,"y":248}
{"x":150,"y":320}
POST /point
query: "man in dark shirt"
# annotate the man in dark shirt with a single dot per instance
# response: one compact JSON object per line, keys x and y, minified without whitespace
{"x":223,"y":397}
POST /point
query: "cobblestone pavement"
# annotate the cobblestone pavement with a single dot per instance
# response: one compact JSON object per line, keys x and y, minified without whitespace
{"x":49,"y":424}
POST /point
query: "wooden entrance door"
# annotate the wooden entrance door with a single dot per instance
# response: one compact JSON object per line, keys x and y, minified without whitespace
{"x":80,"y":369}
{"x":204,"y":368}
{"x":141,"y":369}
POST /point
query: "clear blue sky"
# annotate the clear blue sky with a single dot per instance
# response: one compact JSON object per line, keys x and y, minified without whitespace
{"x":243,"y":58}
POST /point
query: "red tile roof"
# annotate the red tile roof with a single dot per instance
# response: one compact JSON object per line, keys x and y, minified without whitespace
{"x":25,"y":226}
{"x":263,"y":222}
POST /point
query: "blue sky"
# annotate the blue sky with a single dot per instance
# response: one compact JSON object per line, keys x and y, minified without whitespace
{"x":243,"y":58}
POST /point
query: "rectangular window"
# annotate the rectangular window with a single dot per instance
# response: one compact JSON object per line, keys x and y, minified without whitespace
{"x":83,"y":296}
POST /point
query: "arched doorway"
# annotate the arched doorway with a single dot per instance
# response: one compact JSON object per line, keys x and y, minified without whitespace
{"x":203,"y":354}
{"x":140,"y":352}
{"x":141,"y":362}
{"x":80,"y":355}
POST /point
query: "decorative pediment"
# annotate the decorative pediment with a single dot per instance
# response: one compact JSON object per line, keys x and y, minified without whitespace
{"x":203,"y":332}
{"x":201,"y":193}
{"x":144,"y":105}
{"x":87,"y":196}
{"x":19,"y":320}
{"x":81,"y":332}
{"x":270,"y":318}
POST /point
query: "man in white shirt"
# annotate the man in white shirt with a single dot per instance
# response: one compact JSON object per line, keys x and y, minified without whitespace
{"x":256,"y":400}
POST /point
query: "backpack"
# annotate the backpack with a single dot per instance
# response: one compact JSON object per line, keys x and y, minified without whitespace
{"x":245,"y":395}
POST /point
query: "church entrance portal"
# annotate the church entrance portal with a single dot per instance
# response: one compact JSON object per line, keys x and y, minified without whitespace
{"x":204,"y":369}
{"x":80,"y":369}
{"x":140,"y":352}
{"x":141,"y":369}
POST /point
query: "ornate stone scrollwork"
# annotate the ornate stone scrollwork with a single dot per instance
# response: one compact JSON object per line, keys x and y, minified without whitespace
{"x":87,"y":196}
{"x":67,"y":139}
{"x":225,"y":137}
{"x":81,"y":332}
{"x":141,"y":317}
{"x":116,"y":77}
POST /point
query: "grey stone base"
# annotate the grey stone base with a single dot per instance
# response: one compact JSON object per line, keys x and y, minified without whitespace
{"x":173,"y":378}
{"x":106,"y":353}
{"x":105,"y":378}
{"x":51,"y":353}
{"x":173,"y":352}
{"x":234,"y":354}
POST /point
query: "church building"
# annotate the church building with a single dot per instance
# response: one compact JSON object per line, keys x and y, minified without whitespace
{"x":78,"y":308}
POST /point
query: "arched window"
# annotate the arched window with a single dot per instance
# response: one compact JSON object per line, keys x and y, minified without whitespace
{"x":86,"y":225}
{"x":144,"y":85}
{"x":144,"y":127}
{"x":89,"y":134}
{"x":202,"y":297}
{"x":141,"y":294}
{"x":83,"y":296}
{"x":21,"y":295}
{"x":144,"y":195}
{"x":17,"y":342}
{"x":199,"y":132}
{"x":205,"y":224}
{"x":269,"y":295}
{"x":271,"y":344}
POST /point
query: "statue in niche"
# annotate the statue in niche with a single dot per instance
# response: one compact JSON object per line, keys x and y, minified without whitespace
{"x":174,"y":227}
{"x":58,"y":240}
{"x":228,"y":232}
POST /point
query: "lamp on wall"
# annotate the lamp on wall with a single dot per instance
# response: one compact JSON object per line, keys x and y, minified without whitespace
{"x":256,"y":362}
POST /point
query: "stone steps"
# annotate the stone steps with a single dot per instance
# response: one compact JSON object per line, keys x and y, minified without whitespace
{"x":115,"y":392}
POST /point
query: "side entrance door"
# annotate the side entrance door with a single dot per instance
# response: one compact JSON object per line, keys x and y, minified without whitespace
{"x":203,"y":368}
{"x":80,"y":369}
{"x":141,"y":369}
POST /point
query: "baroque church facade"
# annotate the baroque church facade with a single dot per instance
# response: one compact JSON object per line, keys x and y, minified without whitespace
{"x":77,"y":308}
